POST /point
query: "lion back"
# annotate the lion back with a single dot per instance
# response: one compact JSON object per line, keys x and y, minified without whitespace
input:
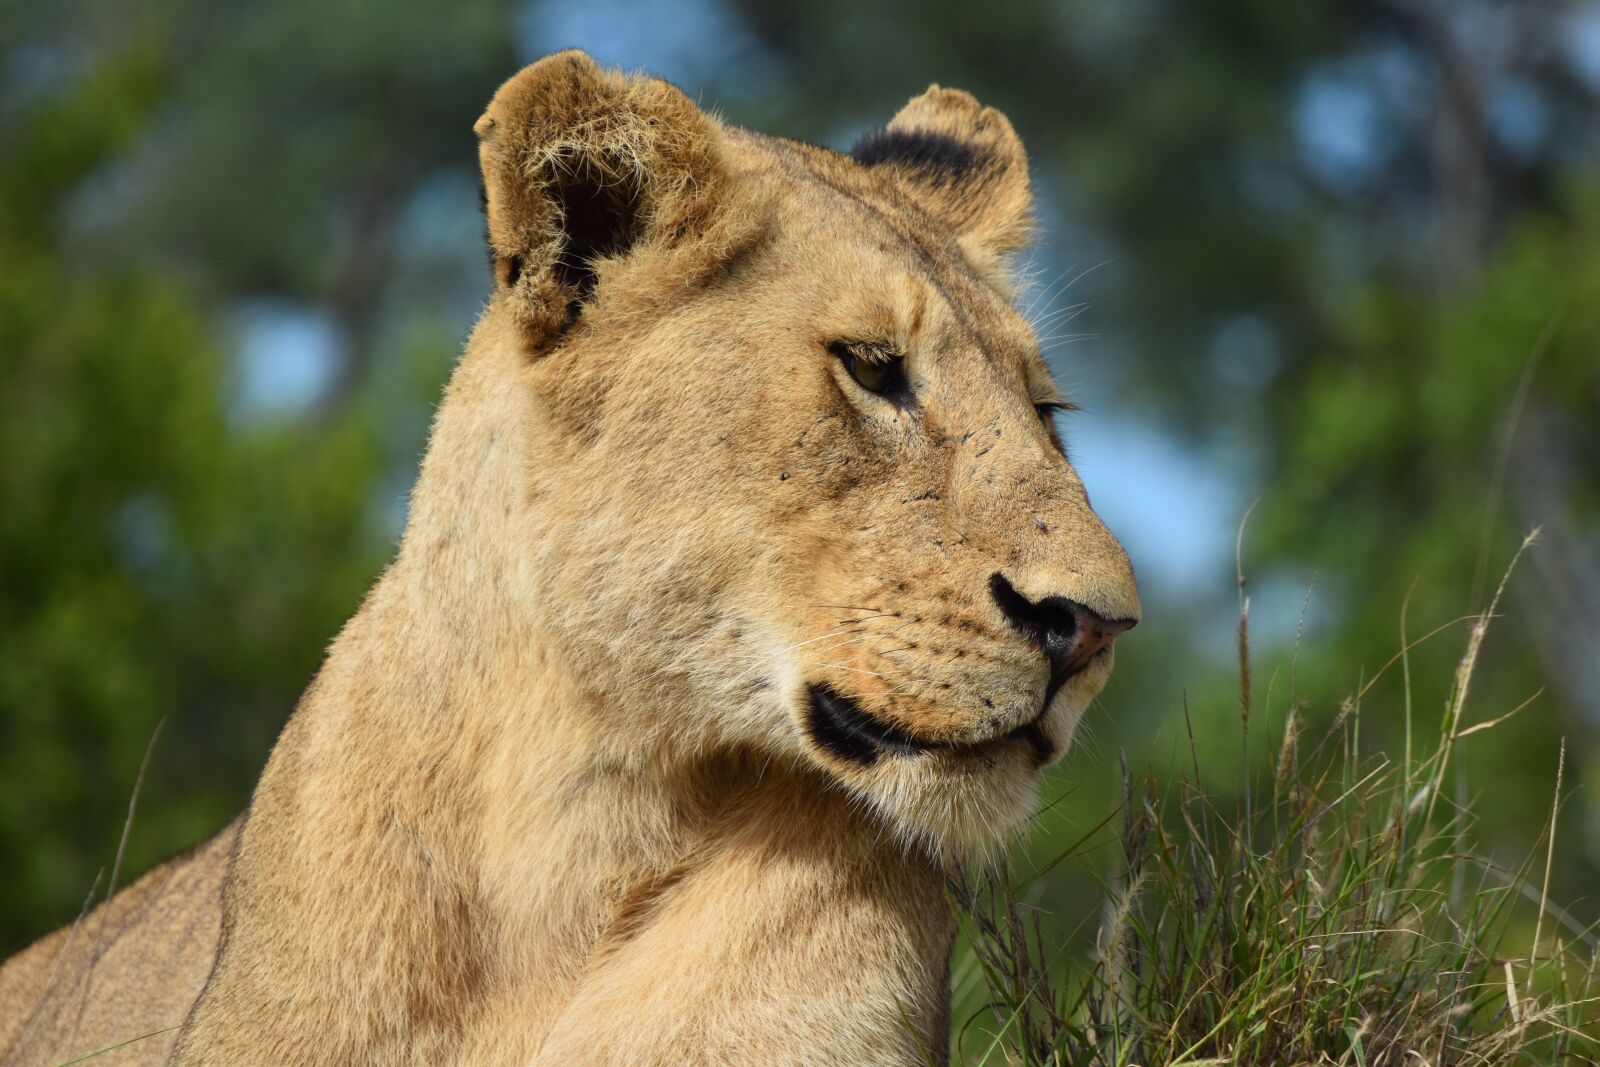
{"x":124,"y":977}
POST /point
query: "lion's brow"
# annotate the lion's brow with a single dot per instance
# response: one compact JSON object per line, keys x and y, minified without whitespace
{"x":793,"y":157}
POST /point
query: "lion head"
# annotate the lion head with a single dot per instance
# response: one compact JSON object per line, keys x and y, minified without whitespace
{"x":787,"y":481}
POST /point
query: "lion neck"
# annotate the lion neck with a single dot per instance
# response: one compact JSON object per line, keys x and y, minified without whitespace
{"x":500,"y":760}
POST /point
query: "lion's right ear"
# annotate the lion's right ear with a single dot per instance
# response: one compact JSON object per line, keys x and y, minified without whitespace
{"x":584,"y":166}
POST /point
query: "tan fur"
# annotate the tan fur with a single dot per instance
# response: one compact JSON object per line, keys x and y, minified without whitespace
{"x":127,"y":972}
{"x":554,"y":799}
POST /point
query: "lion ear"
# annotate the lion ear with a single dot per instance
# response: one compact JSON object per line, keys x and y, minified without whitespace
{"x":583,"y":166}
{"x":962,"y":162}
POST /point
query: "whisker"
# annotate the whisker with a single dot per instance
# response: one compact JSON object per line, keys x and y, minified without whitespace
{"x":848,"y":632}
{"x":1040,"y":295}
{"x":851,"y":629}
{"x":1076,"y":279}
{"x":1061,"y":317}
{"x":1069,"y":341}
{"x":852,"y":670}
{"x":1070,"y":312}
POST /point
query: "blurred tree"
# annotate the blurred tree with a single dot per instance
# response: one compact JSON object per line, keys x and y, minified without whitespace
{"x":156,"y":562}
{"x":172,"y":549}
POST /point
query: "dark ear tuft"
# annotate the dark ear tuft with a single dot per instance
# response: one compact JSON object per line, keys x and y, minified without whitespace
{"x":938,"y":155}
{"x":961,"y":162}
{"x":600,"y":217}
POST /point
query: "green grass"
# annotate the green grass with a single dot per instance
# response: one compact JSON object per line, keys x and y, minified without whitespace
{"x":1339,"y":915}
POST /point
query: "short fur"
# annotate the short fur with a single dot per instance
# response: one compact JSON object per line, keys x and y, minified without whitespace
{"x":555,"y":796}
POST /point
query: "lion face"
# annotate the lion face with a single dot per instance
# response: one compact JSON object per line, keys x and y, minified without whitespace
{"x":793,"y":483}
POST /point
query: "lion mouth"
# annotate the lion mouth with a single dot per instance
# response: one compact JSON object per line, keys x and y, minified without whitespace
{"x":839,"y":725}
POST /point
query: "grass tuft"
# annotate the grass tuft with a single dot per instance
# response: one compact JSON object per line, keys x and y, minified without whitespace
{"x":1338,"y":917}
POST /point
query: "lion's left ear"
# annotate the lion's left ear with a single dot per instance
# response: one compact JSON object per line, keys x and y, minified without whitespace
{"x":962,"y":162}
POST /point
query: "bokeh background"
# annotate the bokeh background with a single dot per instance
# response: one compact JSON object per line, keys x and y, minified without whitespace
{"x":1341,"y":257}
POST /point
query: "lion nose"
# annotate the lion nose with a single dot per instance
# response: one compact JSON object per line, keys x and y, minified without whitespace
{"x":1069,"y":633}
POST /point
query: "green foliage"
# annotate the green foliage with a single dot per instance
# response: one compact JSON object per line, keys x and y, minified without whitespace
{"x":158,"y":562}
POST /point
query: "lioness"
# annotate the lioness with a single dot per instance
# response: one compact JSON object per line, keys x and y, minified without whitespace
{"x":746,"y":588}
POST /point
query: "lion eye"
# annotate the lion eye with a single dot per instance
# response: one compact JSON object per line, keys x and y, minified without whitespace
{"x":874,"y":369}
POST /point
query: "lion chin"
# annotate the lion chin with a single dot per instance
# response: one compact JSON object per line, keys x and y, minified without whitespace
{"x":963,"y":802}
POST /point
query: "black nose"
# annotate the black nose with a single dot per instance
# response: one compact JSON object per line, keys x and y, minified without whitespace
{"x":1069,"y":633}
